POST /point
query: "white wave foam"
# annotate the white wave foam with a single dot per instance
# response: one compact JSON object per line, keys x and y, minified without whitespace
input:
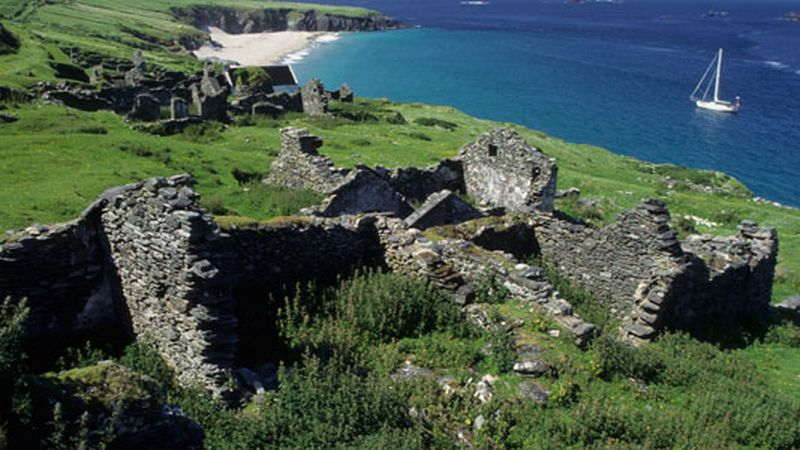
{"x":325,"y":38}
{"x":776,"y":65}
{"x":295,"y":57}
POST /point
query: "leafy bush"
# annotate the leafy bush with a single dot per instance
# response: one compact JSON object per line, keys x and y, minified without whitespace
{"x":216,"y":205}
{"x":202,"y":133}
{"x":75,"y":357}
{"x":326,"y":405}
{"x":489,"y":290}
{"x":370,"y":307}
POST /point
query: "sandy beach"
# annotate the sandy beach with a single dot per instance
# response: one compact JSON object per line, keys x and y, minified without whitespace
{"x":256,"y":49}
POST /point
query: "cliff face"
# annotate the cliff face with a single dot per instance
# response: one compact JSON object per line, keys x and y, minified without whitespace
{"x":236,"y":21}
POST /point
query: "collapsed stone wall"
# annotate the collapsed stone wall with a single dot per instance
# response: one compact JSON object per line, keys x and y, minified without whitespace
{"x":612,"y":261}
{"x":724,"y":280}
{"x":300,"y":166}
{"x":61,"y":271}
{"x":458,"y":265}
{"x":146,"y":260}
{"x":650,"y":280}
{"x":419,"y":183}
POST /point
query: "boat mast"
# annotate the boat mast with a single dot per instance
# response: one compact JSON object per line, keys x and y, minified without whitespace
{"x":719,"y":72}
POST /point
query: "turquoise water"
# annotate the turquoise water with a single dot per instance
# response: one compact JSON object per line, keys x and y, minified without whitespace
{"x":616,"y":76}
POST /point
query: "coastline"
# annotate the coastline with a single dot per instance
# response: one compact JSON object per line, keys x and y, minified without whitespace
{"x":260,"y":49}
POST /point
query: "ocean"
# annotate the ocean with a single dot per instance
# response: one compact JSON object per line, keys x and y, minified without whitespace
{"x":615,"y":75}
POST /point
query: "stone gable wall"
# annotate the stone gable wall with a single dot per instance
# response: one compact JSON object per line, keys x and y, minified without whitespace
{"x":161,"y":244}
{"x":501,"y":169}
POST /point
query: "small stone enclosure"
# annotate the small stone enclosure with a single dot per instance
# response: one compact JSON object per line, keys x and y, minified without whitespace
{"x":147,"y":260}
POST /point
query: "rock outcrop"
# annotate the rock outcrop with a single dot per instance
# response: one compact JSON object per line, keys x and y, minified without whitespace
{"x":240,"y":20}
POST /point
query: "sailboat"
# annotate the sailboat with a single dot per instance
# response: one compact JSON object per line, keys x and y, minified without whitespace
{"x":714,"y":104}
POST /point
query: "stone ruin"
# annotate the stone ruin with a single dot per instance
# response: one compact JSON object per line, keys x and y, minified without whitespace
{"x":315,"y":99}
{"x":136,"y":89}
{"x":501,"y":169}
{"x":146,"y":260}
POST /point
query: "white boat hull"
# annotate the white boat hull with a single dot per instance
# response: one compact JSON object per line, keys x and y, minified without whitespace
{"x":717,"y":106}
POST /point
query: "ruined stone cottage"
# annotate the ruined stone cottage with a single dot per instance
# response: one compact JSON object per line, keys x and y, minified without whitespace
{"x":146,"y":260}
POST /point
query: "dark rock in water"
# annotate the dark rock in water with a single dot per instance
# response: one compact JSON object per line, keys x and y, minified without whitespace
{"x":533,"y":392}
{"x":7,"y":118}
{"x":146,"y":108}
{"x":442,"y":208}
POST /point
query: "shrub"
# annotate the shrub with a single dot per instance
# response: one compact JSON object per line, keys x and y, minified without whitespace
{"x":216,"y":205}
{"x":683,"y":225}
{"x":326,"y":405}
{"x":202,"y":133}
{"x":489,"y":290}
{"x":371,"y":307}
{"x":433,"y":122}
{"x":75,"y":357}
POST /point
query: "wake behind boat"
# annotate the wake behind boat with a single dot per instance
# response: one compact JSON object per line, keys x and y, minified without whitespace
{"x":715,"y":104}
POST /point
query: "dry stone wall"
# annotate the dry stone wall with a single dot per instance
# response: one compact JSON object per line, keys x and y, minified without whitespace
{"x":501,"y":169}
{"x":300,"y":166}
{"x":60,"y":270}
{"x":612,"y":261}
{"x":162,"y":246}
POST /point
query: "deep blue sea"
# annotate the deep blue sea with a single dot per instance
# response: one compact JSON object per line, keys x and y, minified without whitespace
{"x":615,"y":75}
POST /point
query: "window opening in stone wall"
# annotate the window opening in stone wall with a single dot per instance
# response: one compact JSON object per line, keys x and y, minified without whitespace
{"x":492,"y":150}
